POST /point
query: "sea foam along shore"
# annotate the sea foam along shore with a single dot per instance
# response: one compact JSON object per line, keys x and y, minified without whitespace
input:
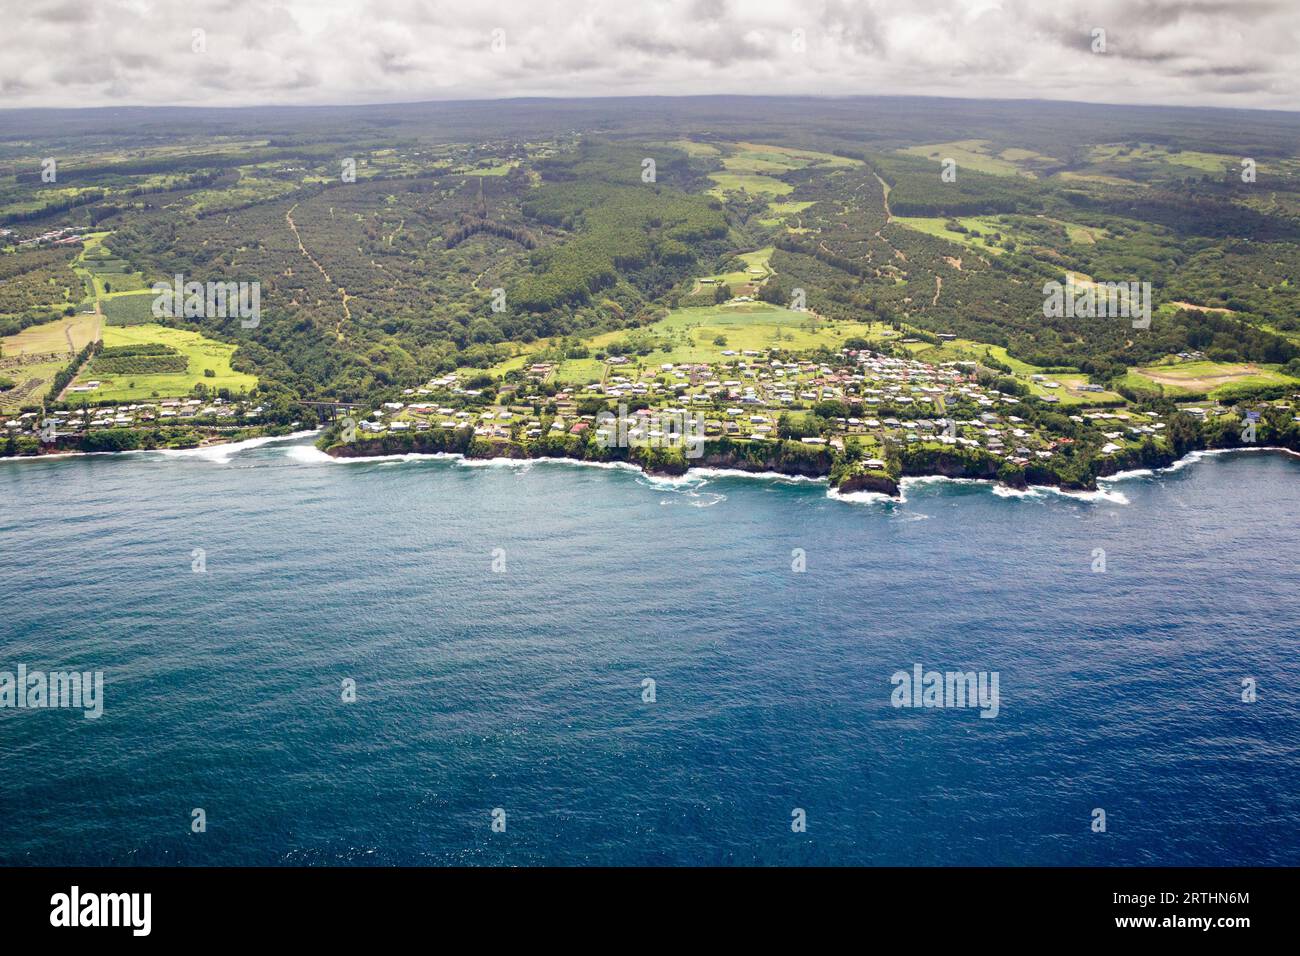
{"x":1102,"y":494}
{"x":308,"y":453}
{"x":702,"y":475}
{"x":216,"y":451}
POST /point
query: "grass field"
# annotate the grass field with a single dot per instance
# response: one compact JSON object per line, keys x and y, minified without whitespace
{"x":690,"y":334}
{"x":974,"y":154}
{"x":937,"y":226}
{"x":1212,"y":379}
{"x":1146,"y":152}
{"x":758,"y":259}
{"x":751,"y":168}
{"x":751,"y":183}
{"x":1007,"y":227}
{"x":52,"y":337}
{"x":692,"y":148}
{"x":202,"y":353}
{"x":783,"y":212}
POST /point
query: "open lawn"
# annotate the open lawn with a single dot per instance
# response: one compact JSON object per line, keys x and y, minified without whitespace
{"x":201,"y":352}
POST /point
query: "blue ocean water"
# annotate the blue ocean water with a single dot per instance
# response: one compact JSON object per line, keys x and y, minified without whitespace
{"x":521,"y":688}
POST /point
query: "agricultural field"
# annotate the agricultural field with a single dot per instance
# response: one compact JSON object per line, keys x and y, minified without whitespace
{"x":127,"y":308}
{"x":31,"y":358}
{"x":200,"y":352}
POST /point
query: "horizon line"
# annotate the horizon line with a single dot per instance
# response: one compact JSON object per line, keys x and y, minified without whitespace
{"x":829,"y":97}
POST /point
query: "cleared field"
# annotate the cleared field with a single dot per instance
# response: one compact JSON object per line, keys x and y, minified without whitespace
{"x":756,"y":260}
{"x":751,"y":183}
{"x":938,"y":226}
{"x":973,"y":154}
{"x":783,"y":212}
{"x":751,"y":168}
{"x":1007,"y":228}
{"x":692,"y":148}
{"x":1147,"y":152}
{"x":1073,"y":176}
{"x":579,"y":371}
{"x":32,"y":357}
{"x":703,"y":334}
{"x":793,"y":157}
{"x":1200,"y":308}
{"x":66,"y":336}
{"x":1206,"y":378}
{"x":202,"y":353}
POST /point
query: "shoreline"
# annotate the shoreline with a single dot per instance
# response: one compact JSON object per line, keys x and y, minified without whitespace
{"x":853,"y":496}
{"x":220,"y":452}
{"x":224,"y":448}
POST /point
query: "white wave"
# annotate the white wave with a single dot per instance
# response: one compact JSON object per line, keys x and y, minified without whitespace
{"x":1006,"y":491}
{"x":1102,"y":494}
{"x":218,"y":453}
{"x":405,"y":456}
{"x":920,"y":481}
{"x":1128,"y":475}
{"x":863,"y":497}
{"x":579,"y":463}
{"x":308,"y":454}
{"x":221,"y":453}
{"x":762,"y":475}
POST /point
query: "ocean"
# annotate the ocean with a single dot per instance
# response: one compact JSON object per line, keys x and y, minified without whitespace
{"x":622,"y":671}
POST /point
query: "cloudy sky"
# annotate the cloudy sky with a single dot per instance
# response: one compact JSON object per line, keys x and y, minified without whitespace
{"x":54,"y":53}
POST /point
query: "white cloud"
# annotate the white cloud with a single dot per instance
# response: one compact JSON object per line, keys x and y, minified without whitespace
{"x":54,"y":53}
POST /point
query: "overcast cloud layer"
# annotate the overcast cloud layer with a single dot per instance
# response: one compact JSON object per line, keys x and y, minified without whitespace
{"x":1242,"y":53}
